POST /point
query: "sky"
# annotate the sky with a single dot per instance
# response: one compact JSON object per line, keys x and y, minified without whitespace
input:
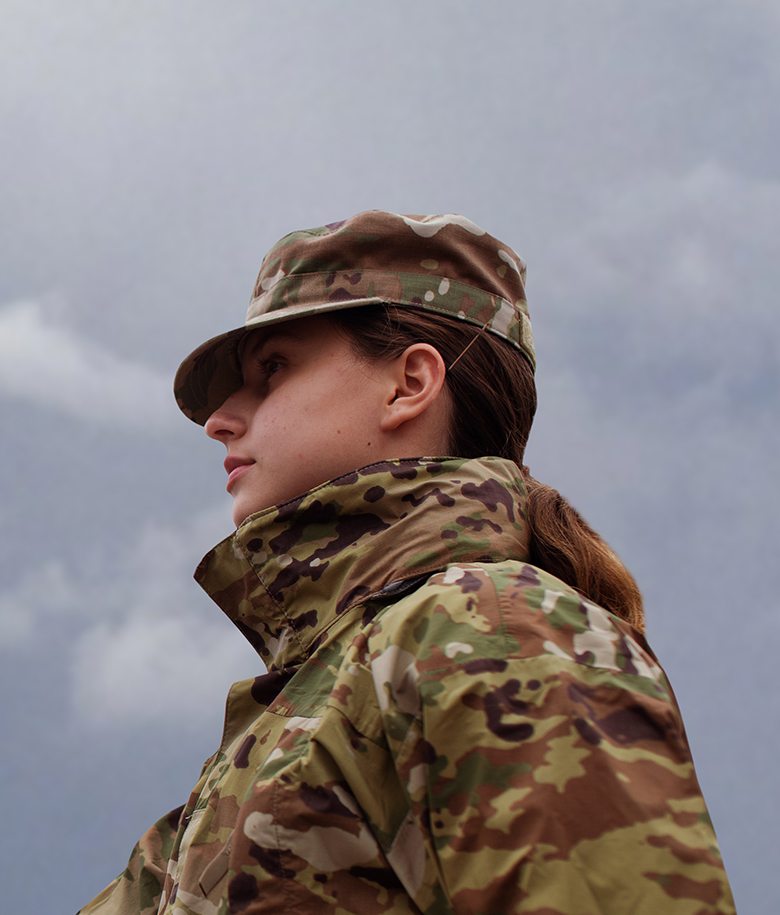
{"x":153,"y":150}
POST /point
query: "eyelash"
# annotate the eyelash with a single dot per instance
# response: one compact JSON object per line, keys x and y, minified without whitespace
{"x":264,"y":365}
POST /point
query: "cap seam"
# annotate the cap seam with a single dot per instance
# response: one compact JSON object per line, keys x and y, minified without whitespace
{"x":439,"y":276}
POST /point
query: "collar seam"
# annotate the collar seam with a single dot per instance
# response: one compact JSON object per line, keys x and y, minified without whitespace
{"x":279,"y":606}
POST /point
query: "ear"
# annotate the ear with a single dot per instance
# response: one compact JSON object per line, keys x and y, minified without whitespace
{"x":417,"y":378}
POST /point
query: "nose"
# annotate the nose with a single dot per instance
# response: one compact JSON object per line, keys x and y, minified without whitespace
{"x":230,"y":420}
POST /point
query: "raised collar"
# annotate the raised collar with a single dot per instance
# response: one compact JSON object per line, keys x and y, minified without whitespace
{"x":292,"y":571}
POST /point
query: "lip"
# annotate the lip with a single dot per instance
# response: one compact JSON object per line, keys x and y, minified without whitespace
{"x":234,"y":467}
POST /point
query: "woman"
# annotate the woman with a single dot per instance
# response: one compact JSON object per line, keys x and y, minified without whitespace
{"x":460,"y":712}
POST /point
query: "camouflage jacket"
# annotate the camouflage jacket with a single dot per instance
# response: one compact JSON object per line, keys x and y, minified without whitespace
{"x":442,"y":728}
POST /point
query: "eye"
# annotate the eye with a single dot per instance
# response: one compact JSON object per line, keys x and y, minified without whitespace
{"x":261,"y":361}
{"x":269,"y":367}
{"x":263,"y":370}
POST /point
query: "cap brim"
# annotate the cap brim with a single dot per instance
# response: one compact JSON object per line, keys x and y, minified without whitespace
{"x":212,"y":372}
{"x":209,"y":375}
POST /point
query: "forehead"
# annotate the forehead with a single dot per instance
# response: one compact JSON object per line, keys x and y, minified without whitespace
{"x":257,"y":339}
{"x":300,"y":331}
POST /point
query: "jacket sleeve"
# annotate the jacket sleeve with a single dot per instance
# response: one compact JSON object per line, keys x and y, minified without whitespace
{"x":137,"y":890}
{"x":542,"y":752}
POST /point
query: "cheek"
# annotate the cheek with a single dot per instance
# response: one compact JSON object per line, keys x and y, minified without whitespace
{"x":319,"y":424}
{"x":298,"y":433}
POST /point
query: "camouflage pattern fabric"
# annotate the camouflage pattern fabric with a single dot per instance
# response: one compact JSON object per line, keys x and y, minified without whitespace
{"x":443,"y":727}
{"x":443,"y":264}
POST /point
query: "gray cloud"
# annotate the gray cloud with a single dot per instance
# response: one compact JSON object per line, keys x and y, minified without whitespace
{"x":46,"y":363}
{"x":142,"y":648}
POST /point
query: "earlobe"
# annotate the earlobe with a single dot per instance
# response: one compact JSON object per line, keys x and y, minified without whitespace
{"x":417,"y":376}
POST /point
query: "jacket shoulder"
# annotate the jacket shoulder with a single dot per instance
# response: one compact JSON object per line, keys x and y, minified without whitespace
{"x":472,"y":614}
{"x":536,"y":736}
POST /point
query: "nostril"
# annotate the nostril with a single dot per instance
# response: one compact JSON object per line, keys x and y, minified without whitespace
{"x":217,"y":428}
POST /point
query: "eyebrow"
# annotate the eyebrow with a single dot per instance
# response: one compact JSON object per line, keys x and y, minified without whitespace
{"x":251,"y":348}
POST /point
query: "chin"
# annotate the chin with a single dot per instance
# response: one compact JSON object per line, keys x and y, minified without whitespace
{"x":240,"y":517}
{"x":241,"y":513}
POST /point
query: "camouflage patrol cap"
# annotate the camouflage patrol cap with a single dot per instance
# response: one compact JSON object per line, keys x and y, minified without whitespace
{"x":441,"y":264}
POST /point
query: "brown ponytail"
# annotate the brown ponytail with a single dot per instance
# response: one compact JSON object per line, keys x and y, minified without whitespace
{"x":493,"y":404}
{"x":562,"y":542}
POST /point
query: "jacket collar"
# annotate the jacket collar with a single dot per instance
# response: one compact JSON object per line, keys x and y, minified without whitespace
{"x":291,"y":572}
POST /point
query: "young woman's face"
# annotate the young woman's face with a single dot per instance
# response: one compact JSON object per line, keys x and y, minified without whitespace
{"x":308,"y":412}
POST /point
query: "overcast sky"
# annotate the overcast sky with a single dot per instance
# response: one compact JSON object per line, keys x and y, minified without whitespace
{"x":153,"y":150}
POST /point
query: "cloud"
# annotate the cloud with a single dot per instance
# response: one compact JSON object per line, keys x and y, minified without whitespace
{"x":163,"y":655}
{"x":45,"y":363}
{"x":47,"y":590}
{"x":678,"y":271}
{"x":141,"y":643}
{"x":149,"y":669}
{"x":659,"y":352}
